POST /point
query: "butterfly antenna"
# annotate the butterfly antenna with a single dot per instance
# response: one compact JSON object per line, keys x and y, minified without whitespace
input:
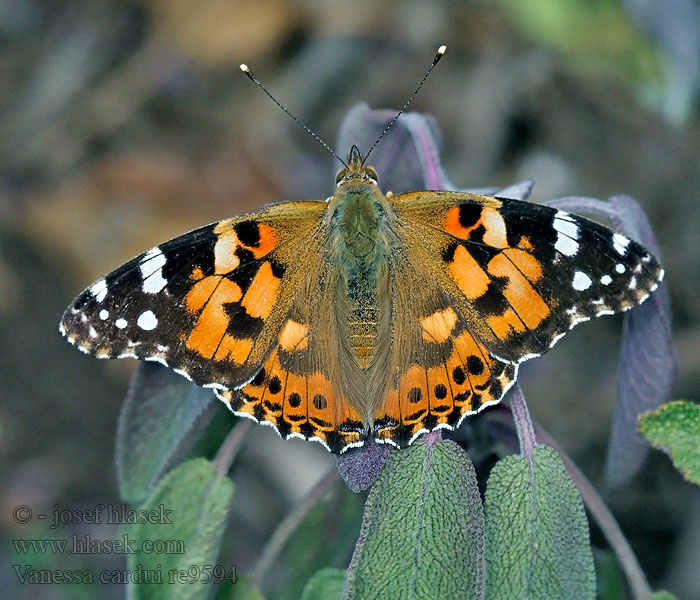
{"x":254,"y":79}
{"x":438,"y":55}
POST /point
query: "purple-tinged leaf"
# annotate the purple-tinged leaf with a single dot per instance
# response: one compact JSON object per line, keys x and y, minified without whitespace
{"x":648,"y":361}
{"x":516,"y":191}
{"x":647,"y":373}
{"x":408,"y":158}
{"x":360,"y":467}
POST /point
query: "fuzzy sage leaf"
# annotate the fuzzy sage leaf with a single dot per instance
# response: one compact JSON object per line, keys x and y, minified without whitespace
{"x":537,"y":541}
{"x":675,"y":429}
{"x":422,"y":531}
{"x":192,"y":502}
{"x":158,"y":412}
{"x":327,"y":584}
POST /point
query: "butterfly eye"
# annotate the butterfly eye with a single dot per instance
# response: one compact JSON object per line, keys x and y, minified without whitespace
{"x":370,"y":173}
{"x":340,"y":176}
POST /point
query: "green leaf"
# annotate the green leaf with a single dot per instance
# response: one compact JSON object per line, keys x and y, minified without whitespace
{"x":595,"y":39}
{"x":675,"y":429}
{"x":327,"y":584}
{"x":422,"y":532}
{"x":537,"y":542}
{"x":662,"y":596}
{"x":158,"y":412}
{"x":191,"y":503}
{"x":325,"y":538}
{"x":610,"y":578}
{"x":243,"y":589}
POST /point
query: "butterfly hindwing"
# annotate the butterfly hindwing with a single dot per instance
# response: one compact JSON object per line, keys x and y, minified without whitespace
{"x":299,"y":390}
{"x":208,"y":304}
{"x":440,"y":370}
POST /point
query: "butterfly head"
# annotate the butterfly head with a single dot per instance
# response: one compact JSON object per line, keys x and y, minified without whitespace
{"x":356,"y":173}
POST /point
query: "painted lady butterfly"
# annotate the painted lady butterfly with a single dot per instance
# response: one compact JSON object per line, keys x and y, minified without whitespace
{"x":366,"y":314}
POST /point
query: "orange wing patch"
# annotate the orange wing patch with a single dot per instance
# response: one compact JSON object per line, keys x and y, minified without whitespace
{"x":260,"y":242}
{"x":209,"y":295}
{"x":297,"y":405}
{"x":524,"y":300}
{"x":430,"y":398}
{"x":467,"y":274}
{"x":294,"y":336}
{"x":484,"y":225}
{"x":462,"y":220}
{"x":438,"y":327}
{"x":209,"y":338}
{"x":262,"y":293}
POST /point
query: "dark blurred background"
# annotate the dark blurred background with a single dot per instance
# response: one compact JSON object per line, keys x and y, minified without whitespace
{"x":124,"y":123}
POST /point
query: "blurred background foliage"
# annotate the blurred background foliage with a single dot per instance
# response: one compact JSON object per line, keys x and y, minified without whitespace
{"x":126,"y":122}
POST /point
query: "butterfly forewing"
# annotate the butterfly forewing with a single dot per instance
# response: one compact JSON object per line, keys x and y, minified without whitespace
{"x":210,"y":303}
{"x":520,"y":274}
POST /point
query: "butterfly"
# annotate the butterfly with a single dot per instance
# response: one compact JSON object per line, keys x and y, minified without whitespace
{"x":367,"y":314}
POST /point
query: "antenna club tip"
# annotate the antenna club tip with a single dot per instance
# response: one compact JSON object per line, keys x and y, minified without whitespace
{"x":243,"y":67}
{"x":442,"y":49}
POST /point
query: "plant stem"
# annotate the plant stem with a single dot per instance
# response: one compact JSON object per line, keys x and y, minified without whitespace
{"x":289,"y":525}
{"x":229,"y":449}
{"x":606,"y":521}
{"x":523,"y":422}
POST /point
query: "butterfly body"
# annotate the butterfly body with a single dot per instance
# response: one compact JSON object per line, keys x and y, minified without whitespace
{"x":366,"y":314}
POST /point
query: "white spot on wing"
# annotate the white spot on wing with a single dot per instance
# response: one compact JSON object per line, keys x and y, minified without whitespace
{"x":620,"y":268}
{"x":620,"y":242}
{"x":567,"y":234}
{"x":606,"y":280}
{"x":99,"y":290}
{"x":566,"y":245}
{"x":147,"y":320}
{"x":152,"y":271}
{"x":121,"y":323}
{"x":581,"y":281}
{"x":104,"y":314}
